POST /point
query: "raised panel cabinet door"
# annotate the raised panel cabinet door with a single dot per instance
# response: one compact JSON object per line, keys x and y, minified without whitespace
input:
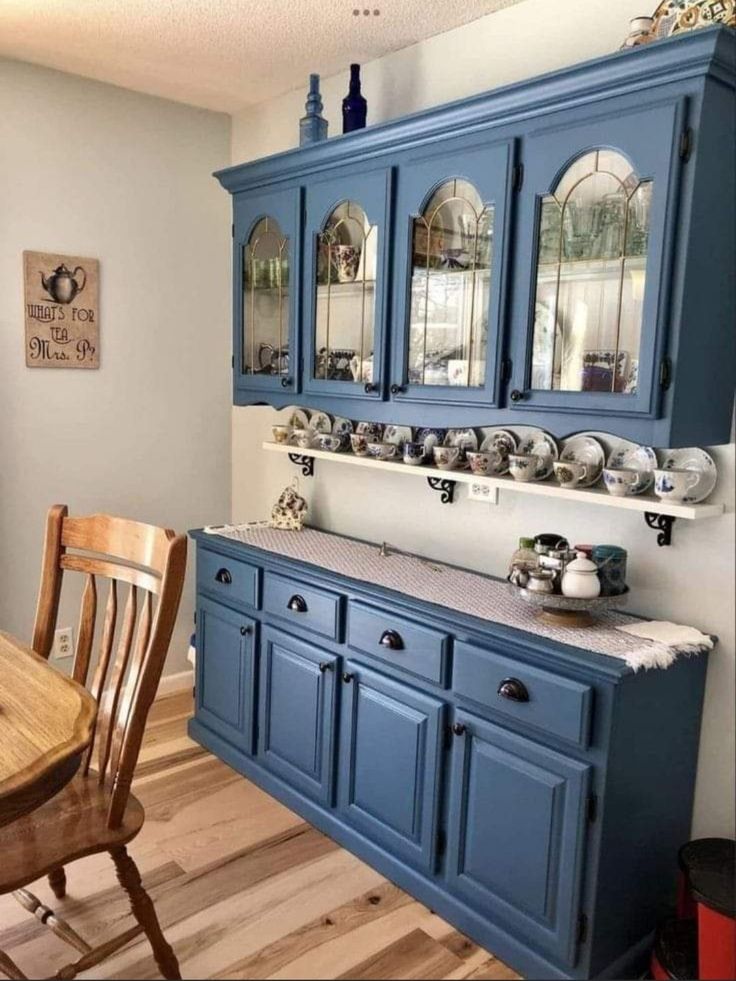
{"x":452,"y":208}
{"x":345,"y":283}
{"x":516,"y":833}
{"x":596,"y":229}
{"x":266,"y":301}
{"x":297,"y":713}
{"x":225,"y":673}
{"x":390,"y":758}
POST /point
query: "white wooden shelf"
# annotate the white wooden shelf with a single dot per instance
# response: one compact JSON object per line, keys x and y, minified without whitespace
{"x":645,"y":503}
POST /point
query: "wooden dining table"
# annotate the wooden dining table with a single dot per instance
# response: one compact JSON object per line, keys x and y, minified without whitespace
{"x":46,"y":722}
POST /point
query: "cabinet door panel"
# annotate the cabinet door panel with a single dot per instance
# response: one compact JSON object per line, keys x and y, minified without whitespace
{"x":297,"y":713}
{"x":225,"y":673}
{"x":596,"y":223}
{"x":449,"y":269}
{"x":516,"y":833}
{"x":345,"y":283}
{"x":390,"y":763}
{"x":266,"y":301}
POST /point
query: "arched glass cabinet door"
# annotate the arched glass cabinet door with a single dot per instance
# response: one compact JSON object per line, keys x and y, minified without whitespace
{"x":451,"y":272}
{"x":599,"y":249}
{"x":345,"y":290}
{"x":265,"y":292}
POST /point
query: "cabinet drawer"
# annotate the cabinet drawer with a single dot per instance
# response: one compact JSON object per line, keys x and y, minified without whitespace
{"x":398,"y":642}
{"x":550,"y":702}
{"x":229,"y":579}
{"x":311,"y":607}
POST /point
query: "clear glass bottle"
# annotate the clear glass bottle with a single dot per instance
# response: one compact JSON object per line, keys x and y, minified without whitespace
{"x":522,"y":562}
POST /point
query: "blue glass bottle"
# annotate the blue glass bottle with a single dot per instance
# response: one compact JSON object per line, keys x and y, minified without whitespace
{"x":313,"y":126}
{"x":354,"y":106}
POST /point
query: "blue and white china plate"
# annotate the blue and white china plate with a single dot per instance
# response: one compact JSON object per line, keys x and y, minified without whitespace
{"x":398,"y":435}
{"x":374,"y":429}
{"x":320,"y":422}
{"x":466,"y":439}
{"x":501,"y":440}
{"x":538,"y":443}
{"x":342,"y":427}
{"x":587,"y":450}
{"x":698,"y":460}
{"x":298,"y":418}
{"x":431,"y":438}
{"x":631,"y":456}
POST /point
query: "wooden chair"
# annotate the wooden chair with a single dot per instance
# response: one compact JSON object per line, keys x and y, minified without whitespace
{"x":96,"y":812}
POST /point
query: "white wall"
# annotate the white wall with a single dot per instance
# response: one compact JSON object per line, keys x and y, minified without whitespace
{"x":93,"y":170}
{"x":692,"y":582}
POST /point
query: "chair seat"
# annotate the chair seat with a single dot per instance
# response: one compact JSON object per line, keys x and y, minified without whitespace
{"x":69,"y":826}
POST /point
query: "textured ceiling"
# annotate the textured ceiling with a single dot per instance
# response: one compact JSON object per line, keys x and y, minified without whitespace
{"x":220,"y":54}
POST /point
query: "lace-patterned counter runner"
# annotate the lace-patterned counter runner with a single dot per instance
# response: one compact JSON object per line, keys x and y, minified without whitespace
{"x":457,"y":589}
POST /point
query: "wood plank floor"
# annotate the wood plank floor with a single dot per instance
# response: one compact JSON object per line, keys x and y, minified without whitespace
{"x":243,"y":888}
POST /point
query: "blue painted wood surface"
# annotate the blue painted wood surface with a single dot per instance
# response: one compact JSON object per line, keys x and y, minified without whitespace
{"x":575,"y":809}
{"x":644,"y":102}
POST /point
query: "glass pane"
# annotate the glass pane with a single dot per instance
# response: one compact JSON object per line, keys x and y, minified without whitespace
{"x":452,"y":255}
{"x":591,"y":272}
{"x":266,"y":301}
{"x":347,"y":250}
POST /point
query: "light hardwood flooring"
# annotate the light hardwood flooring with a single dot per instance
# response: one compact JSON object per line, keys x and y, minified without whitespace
{"x":244,"y":888}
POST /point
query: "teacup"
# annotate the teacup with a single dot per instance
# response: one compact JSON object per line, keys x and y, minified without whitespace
{"x":484,"y":463}
{"x":303,"y":438}
{"x":281,"y":434}
{"x":620,"y":482}
{"x":414,"y":454}
{"x":382,"y":451}
{"x":569,"y":473}
{"x":345,"y":259}
{"x":675,"y":485}
{"x":330,"y":443}
{"x":359,"y":443}
{"x":446,"y":457}
{"x":523,"y":466}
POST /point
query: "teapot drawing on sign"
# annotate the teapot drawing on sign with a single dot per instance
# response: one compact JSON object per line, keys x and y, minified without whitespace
{"x":62,"y":285}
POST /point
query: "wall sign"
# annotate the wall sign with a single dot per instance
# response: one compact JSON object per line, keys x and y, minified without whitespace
{"x":61,"y":310}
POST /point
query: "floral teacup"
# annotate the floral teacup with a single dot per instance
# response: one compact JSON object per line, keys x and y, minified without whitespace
{"x":569,"y":473}
{"x":359,"y":443}
{"x":382,"y":451}
{"x":675,"y":485}
{"x":414,"y":454}
{"x":303,"y":438}
{"x":281,"y":434}
{"x":446,"y":457}
{"x":523,"y":466}
{"x":484,"y":463}
{"x":333,"y":444}
{"x":620,"y":482}
{"x":345,"y":259}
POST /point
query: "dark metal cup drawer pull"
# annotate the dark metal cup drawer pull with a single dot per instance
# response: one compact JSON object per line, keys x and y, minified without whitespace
{"x":391,"y":640}
{"x":223,"y":576}
{"x":513,"y":689}
{"x":297,"y":604}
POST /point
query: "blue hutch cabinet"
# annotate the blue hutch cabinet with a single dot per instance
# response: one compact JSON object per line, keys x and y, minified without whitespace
{"x":557,"y":252}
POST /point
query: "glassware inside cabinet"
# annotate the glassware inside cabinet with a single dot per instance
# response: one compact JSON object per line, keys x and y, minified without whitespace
{"x":347,"y":252}
{"x":591,"y":272}
{"x":452,"y":256}
{"x":266,"y":301}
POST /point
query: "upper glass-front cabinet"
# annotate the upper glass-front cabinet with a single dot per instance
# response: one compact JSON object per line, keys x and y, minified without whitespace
{"x":347,"y":227}
{"x":593,"y":222}
{"x":266,"y":257}
{"x":449,"y":278}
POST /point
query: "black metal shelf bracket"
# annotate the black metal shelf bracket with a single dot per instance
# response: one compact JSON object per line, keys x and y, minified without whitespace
{"x":444,"y":487}
{"x":663,"y":524}
{"x":305,"y":462}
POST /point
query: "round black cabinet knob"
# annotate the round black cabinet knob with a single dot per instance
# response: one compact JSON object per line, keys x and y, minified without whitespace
{"x":286,"y":382}
{"x":347,"y":678}
{"x":297,"y":604}
{"x":459,"y":729}
{"x":223,"y":576}
{"x":397,"y":389}
{"x":514,"y":690}
{"x":325,"y":666}
{"x":516,"y":395}
{"x":245,"y":630}
{"x":370,"y":387}
{"x":391,"y":640}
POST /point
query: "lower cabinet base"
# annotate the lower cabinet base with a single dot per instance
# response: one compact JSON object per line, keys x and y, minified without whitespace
{"x":521,"y":958}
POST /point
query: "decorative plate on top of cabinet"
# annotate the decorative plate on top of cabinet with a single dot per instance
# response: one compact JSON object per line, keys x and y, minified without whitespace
{"x":676,"y":16}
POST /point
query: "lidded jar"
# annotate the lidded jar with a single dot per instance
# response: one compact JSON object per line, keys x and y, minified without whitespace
{"x":580,"y":580}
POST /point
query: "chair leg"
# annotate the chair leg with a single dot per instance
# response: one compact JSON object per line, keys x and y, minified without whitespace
{"x":9,"y":968}
{"x":140,"y":902}
{"x":57,"y":881}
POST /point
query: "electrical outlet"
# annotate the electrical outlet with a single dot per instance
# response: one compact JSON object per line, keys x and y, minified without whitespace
{"x":63,"y":643}
{"x":482,"y":492}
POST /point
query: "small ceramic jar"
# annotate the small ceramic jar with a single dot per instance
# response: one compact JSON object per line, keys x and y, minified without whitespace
{"x":580,"y":580}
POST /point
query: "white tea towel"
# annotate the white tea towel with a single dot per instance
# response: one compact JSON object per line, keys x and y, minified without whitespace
{"x":670,"y":639}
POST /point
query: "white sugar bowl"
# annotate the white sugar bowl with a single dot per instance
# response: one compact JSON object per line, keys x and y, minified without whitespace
{"x":580,"y":580}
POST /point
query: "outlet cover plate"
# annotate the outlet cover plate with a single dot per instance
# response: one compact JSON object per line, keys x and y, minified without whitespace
{"x":63,"y":643}
{"x":482,"y":492}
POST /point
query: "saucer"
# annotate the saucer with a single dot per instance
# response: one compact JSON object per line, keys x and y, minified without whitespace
{"x":696,"y":459}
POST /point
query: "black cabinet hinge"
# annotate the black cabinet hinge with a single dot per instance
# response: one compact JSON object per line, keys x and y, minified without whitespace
{"x":591,"y":808}
{"x":232,"y":360}
{"x":517,"y":177}
{"x":507,"y":367}
{"x":232,"y":231}
{"x":441,"y":842}
{"x":582,"y":928}
{"x":686,"y":144}
{"x":665,"y":373}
